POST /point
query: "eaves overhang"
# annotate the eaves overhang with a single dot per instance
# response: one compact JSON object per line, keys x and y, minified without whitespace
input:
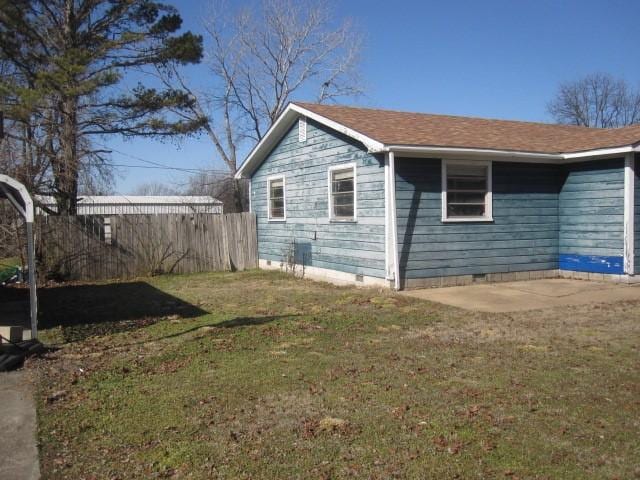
{"x":294,"y":111}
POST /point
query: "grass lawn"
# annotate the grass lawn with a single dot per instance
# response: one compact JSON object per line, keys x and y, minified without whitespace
{"x":259,"y":375}
{"x":9,"y":261}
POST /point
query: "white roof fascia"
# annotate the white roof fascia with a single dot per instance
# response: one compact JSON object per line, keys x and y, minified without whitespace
{"x":473,"y":152}
{"x":293,"y":111}
{"x":284,"y":122}
{"x":266,"y":143}
{"x":600,"y":152}
{"x":517,"y":156}
{"x":373,"y":146}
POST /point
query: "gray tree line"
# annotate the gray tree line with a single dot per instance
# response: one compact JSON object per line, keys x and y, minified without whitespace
{"x":597,"y":100}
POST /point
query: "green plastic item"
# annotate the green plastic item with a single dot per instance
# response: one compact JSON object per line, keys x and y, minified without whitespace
{"x":7,"y":272}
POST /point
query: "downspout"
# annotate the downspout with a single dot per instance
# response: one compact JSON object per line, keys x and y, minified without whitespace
{"x":629,"y":213}
{"x":390,"y":223}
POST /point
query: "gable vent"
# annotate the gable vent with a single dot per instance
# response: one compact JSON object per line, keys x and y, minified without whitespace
{"x":302,"y":129}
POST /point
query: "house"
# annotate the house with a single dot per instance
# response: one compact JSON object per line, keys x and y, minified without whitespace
{"x":139,"y":205}
{"x":409,"y":200}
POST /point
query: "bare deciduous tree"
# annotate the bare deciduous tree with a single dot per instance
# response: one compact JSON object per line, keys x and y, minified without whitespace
{"x":154,"y":189}
{"x":219,"y":186}
{"x":259,"y":60}
{"x":597,"y":100}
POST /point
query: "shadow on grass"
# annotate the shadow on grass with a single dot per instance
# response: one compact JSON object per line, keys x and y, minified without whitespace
{"x":85,"y":310}
{"x":233,"y":323}
{"x":249,"y":321}
{"x":14,"y":293}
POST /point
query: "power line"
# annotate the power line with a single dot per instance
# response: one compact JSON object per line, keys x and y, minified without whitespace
{"x":126,"y":165}
{"x":159,"y":166}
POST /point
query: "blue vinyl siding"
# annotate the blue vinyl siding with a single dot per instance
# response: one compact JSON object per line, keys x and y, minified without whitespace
{"x":523,"y":235}
{"x":592,"y":217}
{"x":637,"y":219}
{"x":348,"y":247}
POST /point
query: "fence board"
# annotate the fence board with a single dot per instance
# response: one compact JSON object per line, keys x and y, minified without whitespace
{"x":76,"y":248}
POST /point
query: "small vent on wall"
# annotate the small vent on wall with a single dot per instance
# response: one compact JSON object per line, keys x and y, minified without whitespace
{"x":268,"y":262}
{"x":359,"y":277}
{"x":479,"y":277}
{"x":302,"y":129}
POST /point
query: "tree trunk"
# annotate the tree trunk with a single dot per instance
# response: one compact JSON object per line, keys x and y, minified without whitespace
{"x":238,"y":196}
{"x":66,"y":176}
{"x":66,"y":164}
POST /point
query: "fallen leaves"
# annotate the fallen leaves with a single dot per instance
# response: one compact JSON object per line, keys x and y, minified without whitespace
{"x":487,"y":445}
{"x":443,"y":444}
{"x":170,"y":366}
{"x":55,"y":396}
{"x":330,"y":424}
{"x":312,"y":427}
{"x":316,"y":389}
{"x":473,"y":410}
{"x":400,"y":411}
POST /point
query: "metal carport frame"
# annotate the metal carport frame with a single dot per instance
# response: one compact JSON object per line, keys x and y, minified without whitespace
{"x":19,"y":197}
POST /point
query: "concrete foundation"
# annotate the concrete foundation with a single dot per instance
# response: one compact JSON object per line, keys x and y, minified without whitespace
{"x":326,"y":275}
{"x":343,"y":278}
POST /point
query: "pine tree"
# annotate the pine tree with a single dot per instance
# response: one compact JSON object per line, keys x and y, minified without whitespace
{"x":70,"y":60}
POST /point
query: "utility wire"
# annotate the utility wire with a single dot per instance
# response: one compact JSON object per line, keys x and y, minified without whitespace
{"x":157,"y":165}
{"x":126,"y":165}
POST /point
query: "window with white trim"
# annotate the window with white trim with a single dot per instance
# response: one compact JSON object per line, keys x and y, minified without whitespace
{"x":276,"y":198}
{"x":466,"y":191}
{"x":342,"y":192}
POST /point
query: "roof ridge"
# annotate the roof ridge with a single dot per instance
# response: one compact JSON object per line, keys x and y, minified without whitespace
{"x":472,"y":117}
{"x":635,"y":126}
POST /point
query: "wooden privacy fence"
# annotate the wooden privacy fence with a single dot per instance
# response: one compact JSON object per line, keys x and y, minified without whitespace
{"x":126,"y":246}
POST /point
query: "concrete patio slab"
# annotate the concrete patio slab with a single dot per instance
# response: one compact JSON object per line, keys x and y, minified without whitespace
{"x":528,"y":295}
{"x":18,"y":447}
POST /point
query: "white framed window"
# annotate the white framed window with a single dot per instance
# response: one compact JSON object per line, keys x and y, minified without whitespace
{"x":467,"y":191}
{"x":302,"y":129}
{"x":277,"y":198}
{"x":343,"y":193}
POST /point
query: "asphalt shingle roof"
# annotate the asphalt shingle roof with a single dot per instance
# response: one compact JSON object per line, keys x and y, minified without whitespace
{"x":419,"y":129}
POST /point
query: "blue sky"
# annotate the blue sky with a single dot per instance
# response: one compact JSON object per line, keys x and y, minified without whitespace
{"x":489,"y":58}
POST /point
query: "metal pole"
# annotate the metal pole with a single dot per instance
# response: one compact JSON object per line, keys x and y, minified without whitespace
{"x":31,"y":260}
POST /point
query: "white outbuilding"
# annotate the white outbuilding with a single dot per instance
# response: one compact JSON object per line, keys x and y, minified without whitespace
{"x":139,"y":205}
